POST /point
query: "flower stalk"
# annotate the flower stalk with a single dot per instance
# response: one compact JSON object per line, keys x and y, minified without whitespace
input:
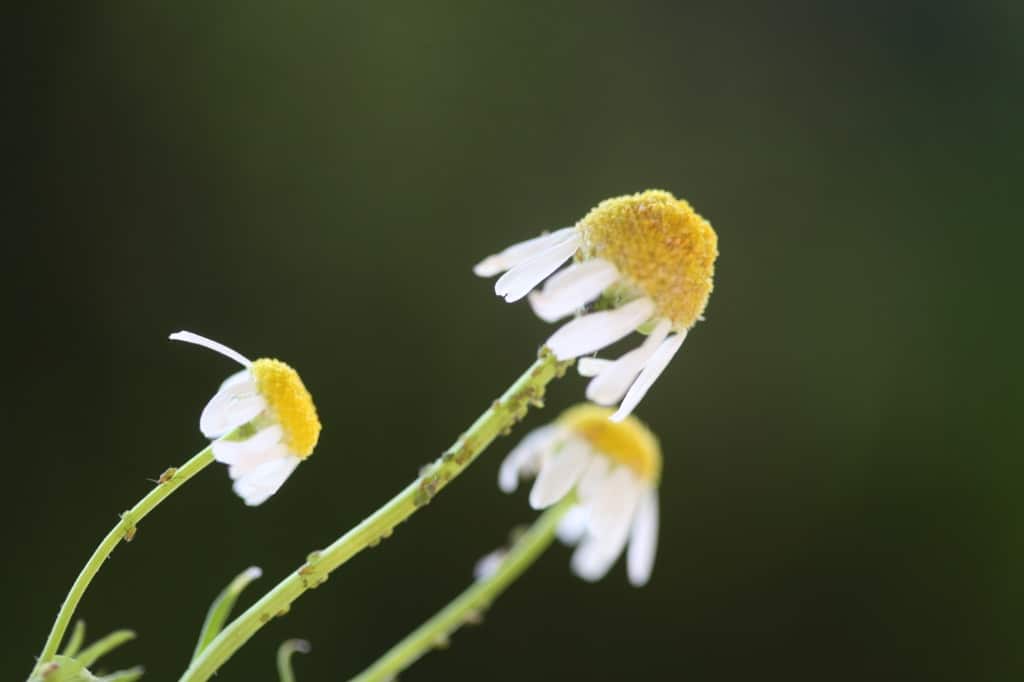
{"x":124,"y":529}
{"x":468,"y":606}
{"x":511,"y":407}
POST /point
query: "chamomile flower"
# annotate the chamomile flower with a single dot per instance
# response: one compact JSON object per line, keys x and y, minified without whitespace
{"x":272,"y":416}
{"x":614,"y":468}
{"x":642,"y":262}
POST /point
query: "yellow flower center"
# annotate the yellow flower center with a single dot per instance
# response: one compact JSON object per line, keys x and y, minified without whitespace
{"x":629,"y":442}
{"x":290,"y":402}
{"x":661,"y":246}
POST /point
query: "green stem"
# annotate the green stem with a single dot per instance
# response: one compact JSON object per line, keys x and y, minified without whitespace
{"x":171,"y":480}
{"x":498,"y":419}
{"x":468,"y":606}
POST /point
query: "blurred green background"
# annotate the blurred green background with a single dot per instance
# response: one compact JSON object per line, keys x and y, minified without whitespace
{"x":314,"y":181}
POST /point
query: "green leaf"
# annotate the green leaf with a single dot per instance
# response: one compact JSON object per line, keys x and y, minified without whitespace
{"x":96,"y":650}
{"x":129,"y":675}
{"x":284,"y":657}
{"x":77,"y":637}
{"x":219,"y":611}
{"x":64,"y":668}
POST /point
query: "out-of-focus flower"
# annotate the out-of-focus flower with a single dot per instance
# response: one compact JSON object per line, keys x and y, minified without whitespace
{"x":642,"y":262}
{"x":262,"y":422}
{"x":614,"y":468}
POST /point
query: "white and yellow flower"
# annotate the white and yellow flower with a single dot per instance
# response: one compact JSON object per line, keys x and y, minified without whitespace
{"x":262,"y":422}
{"x":614,"y":468}
{"x":643,"y":262}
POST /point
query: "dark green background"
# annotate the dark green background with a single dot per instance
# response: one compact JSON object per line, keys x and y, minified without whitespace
{"x":314,"y":182}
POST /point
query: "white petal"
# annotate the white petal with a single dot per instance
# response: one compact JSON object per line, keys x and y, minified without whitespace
{"x":591,"y":367}
{"x":231,"y":407}
{"x":595,"y":331}
{"x":189,"y":337}
{"x":593,"y":478}
{"x":595,"y":556}
{"x":247,"y":465}
{"x":265,"y":480}
{"x":643,"y":540}
{"x":558,"y":474}
{"x":573,"y":525}
{"x":517,"y":253}
{"x":573,"y":288}
{"x":489,"y":564}
{"x":610,"y":385}
{"x":240,"y":382}
{"x":612,"y":507}
{"x":652,"y":370}
{"x":525,"y":457}
{"x":588,"y":563}
{"x":234,"y":451}
{"x":521,"y":279}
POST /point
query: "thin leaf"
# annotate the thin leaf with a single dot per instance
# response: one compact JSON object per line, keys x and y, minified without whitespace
{"x":100,"y":648}
{"x":129,"y":675}
{"x":75,"y":643}
{"x":219,"y":611}
{"x":284,"y":657}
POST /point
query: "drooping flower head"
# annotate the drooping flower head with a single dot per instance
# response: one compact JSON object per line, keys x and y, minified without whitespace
{"x":614,"y":468}
{"x":641,"y":262}
{"x":268,"y":417}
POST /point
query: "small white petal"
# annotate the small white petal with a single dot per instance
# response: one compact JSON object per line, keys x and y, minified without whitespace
{"x":613,"y":504}
{"x":610,"y":385}
{"x":234,"y":451}
{"x":240,"y":382}
{"x":593,"y":478}
{"x":573,"y":288}
{"x":249,"y":464}
{"x":595,"y":331}
{"x":591,"y":367}
{"x":489,"y":564}
{"x":595,"y":556}
{"x":643,"y":540}
{"x":265,"y":480}
{"x":558,"y":474}
{"x":525,"y":457}
{"x":189,"y":337}
{"x":573,"y":525}
{"x":588,"y":563}
{"x":655,"y":366}
{"x":521,"y":279}
{"x":231,"y":407}
{"x":517,"y":253}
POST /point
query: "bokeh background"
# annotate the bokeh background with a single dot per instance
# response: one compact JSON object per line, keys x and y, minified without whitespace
{"x":314,"y":181}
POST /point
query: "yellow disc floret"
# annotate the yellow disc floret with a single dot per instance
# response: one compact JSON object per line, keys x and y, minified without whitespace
{"x":661,"y":246}
{"x":290,"y":402}
{"x":629,"y":442}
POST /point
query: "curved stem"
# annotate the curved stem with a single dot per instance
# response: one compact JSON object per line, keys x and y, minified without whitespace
{"x":500,"y":417}
{"x":170,"y":481}
{"x":468,"y":606}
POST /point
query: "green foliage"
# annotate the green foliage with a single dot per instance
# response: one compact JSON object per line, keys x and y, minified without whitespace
{"x":67,"y":667}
